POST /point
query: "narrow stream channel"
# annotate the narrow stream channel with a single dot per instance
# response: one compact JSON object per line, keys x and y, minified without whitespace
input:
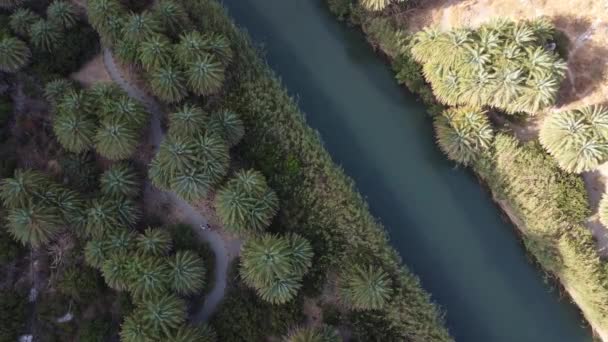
{"x":441,"y":221}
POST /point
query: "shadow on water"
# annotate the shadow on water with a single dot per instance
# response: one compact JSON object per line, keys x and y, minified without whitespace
{"x":440,"y":220}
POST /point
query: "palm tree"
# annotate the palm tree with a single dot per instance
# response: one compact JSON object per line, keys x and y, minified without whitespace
{"x":192,"y":45}
{"x":75,"y":130}
{"x":149,"y":276}
{"x":14,"y":54}
{"x":45,"y":35}
{"x":120,"y":180}
{"x":463,"y":134}
{"x":139,"y":26}
{"x":577,"y":139}
{"x":366,"y":288}
{"x":213,"y":155}
{"x":162,"y":314}
{"x":111,"y":32}
{"x":34,"y":224}
{"x":245,"y":204}
{"x":265,"y":258}
{"x":187,"y":272}
{"x":62,"y":13}
{"x":228,"y":125}
{"x":217,"y":45}
{"x":128,"y":213}
{"x":168,"y":83}
{"x":116,"y":138}
{"x":176,"y":153}
{"x":100,"y":11}
{"x":171,"y":14}
{"x":103,"y":94}
{"x":116,"y":271}
{"x":191,"y":184}
{"x":101,"y":216}
{"x":603,"y":210}
{"x":119,"y":241}
{"x":21,"y":21}
{"x":188,"y":121}
{"x":54,"y":90}
{"x":155,"y":52}
{"x":205,"y":75}
{"x":95,"y":253}
{"x":154,"y":242}
{"x":74,"y":102}
{"x":127,"y":51}
{"x":19,"y":190}
{"x":134,"y":330}
{"x":280,"y":290}
{"x":189,"y":333}
{"x":377,"y":5}
{"x":313,"y":334}
{"x":124,"y":108}
{"x":301,"y":254}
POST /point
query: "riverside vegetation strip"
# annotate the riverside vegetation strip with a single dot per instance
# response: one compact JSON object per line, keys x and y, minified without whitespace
{"x":548,"y":205}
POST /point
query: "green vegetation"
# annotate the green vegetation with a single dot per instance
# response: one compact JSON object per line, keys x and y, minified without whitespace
{"x":14,"y":54}
{"x":578,"y":139}
{"x":366,"y":288}
{"x":502,"y":64}
{"x":13,"y":315}
{"x":376,"y":5}
{"x":322,"y":334}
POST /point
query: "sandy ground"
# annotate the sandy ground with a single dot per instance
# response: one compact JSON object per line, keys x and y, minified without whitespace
{"x":92,"y":72}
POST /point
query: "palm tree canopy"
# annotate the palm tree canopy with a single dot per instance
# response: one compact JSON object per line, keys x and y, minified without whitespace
{"x":22,"y":187}
{"x":95,"y":253}
{"x":154,"y":241}
{"x":134,"y":330}
{"x":119,"y":241}
{"x":34,"y":224}
{"x":228,"y":125}
{"x":366,"y":288}
{"x":192,"y":45}
{"x":217,"y":45}
{"x":101,"y":12}
{"x":139,"y":26}
{"x":120,"y":180}
{"x":171,"y":14}
{"x":168,"y":83}
{"x":45,"y":35}
{"x":280,"y":290}
{"x":75,"y":130}
{"x":313,"y":334}
{"x":14,"y":54}
{"x":188,"y":121}
{"x":21,"y":21}
{"x":101,"y":217}
{"x":116,"y":271}
{"x":62,"y":13}
{"x":265,"y":258}
{"x":116,"y":138}
{"x":603,"y":210}
{"x":187,"y":272}
{"x":54,"y":90}
{"x":155,"y":52}
{"x":149,"y":276}
{"x":163,"y":314}
{"x":189,"y":333}
{"x":205,"y":75}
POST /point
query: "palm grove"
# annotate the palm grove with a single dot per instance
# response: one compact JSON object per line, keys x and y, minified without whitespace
{"x":182,"y":67}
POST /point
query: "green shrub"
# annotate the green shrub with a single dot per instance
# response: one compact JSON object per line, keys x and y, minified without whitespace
{"x":340,"y":8}
{"x":98,"y":329}
{"x":12,"y":314}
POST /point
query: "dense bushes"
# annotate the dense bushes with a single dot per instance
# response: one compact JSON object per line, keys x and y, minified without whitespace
{"x":12,"y":315}
{"x":319,"y":201}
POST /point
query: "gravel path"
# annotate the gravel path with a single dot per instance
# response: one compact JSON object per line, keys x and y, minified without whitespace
{"x":225,"y":250}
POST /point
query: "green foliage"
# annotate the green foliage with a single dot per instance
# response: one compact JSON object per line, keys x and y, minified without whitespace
{"x":12,"y":314}
{"x":188,"y":121}
{"x":502,"y":64}
{"x":98,"y":329}
{"x":463,"y":134}
{"x":95,"y":253}
{"x":155,"y":52}
{"x":83,"y":284}
{"x":116,"y":271}
{"x":377,"y":5}
{"x":162,"y":315}
{"x":62,"y":13}
{"x":340,"y":8}
{"x":134,"y":330}
{"x":274,"y":266}
{"x":139,"y":26}
{"x":313,"y":334}
{"x":577,"y":139}
{"x":168,"y":83}
{"x":14,"y":54}
{"x":187,"y":333}
{"x":10,"y":250}
{"x":21,"y":21}
{"x":18,"y":190}
{"x":229,"y":125}
{"x":149,"y":276}
{"x":365,"y":288}
{"x":34,"y":224}
{"x":56,"y":89}
{"x":187,"y":272}
{"x":154,"y":242}
{"x":205,"y":75}
{"x":603,"y":210}
{"x":171,"y":14}
{"x":75,"y":130}
{"x":246,"y":204}
{"x":102,"y":14}
{"x":116,"y":138}
{"x":120,"y":180}
{"x":45,"y":35}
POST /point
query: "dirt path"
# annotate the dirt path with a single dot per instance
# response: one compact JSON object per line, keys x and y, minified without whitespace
{"x":225,"y":250}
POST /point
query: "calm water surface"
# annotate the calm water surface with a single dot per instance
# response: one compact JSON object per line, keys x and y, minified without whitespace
{"x":440,"y":220}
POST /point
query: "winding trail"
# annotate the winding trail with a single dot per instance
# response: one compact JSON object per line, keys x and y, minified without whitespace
{"x":225,"y":250}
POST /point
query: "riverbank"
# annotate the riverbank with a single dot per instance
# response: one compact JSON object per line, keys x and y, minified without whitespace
{"x":563,"y":250}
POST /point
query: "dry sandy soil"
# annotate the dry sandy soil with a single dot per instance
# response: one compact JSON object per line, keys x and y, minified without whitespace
{"x":92,"y":72}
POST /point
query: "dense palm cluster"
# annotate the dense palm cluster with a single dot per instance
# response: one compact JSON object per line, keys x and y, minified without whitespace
{"x":14,"y":54}
{"x":503,"y":64}
{"x":577,"y":139}
{"x":463,"y":134}
{"x":102,"y":117}
{"x":365,"y":288}
{"x":275,"y":265}
{"x":313,"y":334}
{"x":246,"y":204}
{"x":176,"y":58}
{"x":377,"y":5}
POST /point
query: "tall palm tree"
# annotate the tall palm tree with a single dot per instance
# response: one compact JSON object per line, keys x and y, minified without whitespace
{"x":149,"y":276}
{"x":24,"y":186}
{"x":45,"y":35}
{"x":54,"y":90}
{"x":34,"y":224}
{"x":280,"y":290}
{"x":128,"y":212}
{"x":228,"y":125}
{"x":168,"y":83}
{"x":95,"y":253}
{"x":265,"y":258}
{"x":62,"y":13}
{"x":245,"y":204}
{"x":217,"y":45}
{"x":155,"y":52}
{"x":75,"y":102}
{"x":120,"y":180}
{"x":191,"y":184}
{"x":123,"y":107}
{"x":172,"y":15}
{"x":188,"y":121}
{"x":101,"y":216}
{"x":577,"y":139}
{"x":189,"y":333}
{"x":162,"y":315}
{"x":313,"y":334}
{"x":21,"y":21}
{"x":176,"y":153}
{"x":205,"y":75}
{"x":139,"y":26}
{"x":154,"y":242}
{"x":187,"y":272}
{"x":366,"y":288}
{"x":100,"y":11}
{"x":133,"y":329}
{"x":463,"y":134}
{"x":127,"y":51}
{"x":377,"y":5}
{"x":119,"y":241}
{"x":301,"y":254}
{"x":192,"y":45}
{"x":116,"y":271}
{"x":14,"y":54}
{"x":116,"y":138}
{"x":75,"y":130}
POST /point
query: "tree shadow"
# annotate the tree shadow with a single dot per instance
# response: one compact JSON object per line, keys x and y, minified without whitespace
{"x":587,"y":59}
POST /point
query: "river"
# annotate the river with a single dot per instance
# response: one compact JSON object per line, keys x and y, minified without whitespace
{"x":444,"y":225}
